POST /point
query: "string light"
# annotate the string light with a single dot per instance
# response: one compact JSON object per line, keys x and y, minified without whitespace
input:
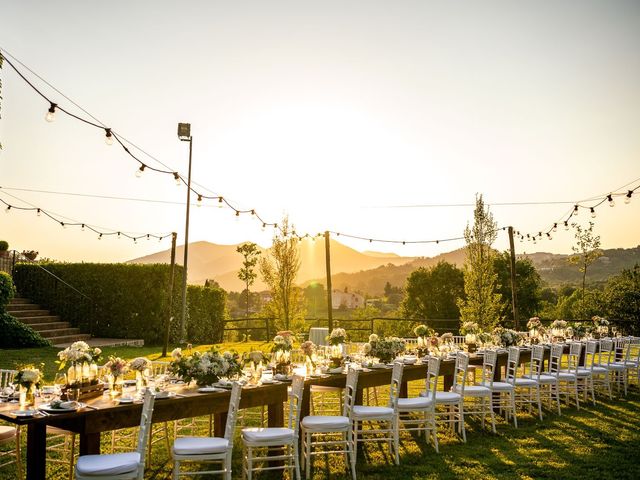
{"x":176,"y":177}
{"x":627,"y":197}
{"x":199,"y":204}
{"x":108,"y":137}
{"x":38,"y":212}
{"x":140,"y":171}
{"x":593,"y":212}
{"x":51,"y":113}
{"x":8,"y":209}
{"x":612,"y":203}
{"x":566,"y":226}
{"x":575,"y":210}
{"x":555,"y":227}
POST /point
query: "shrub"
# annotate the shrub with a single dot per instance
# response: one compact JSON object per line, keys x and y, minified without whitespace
{"x":127,"y":300}
{"x":4,"y":246}
{"x":16,"y":334}
{"x":7,"y":290}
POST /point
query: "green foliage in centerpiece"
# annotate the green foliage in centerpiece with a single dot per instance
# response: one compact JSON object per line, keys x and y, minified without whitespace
{"x":385,"y":349}
{"x":206,"y":368}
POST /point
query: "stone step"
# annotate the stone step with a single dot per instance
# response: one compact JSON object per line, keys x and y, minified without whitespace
{"x":30,"y":313}
{"x":40,"y":319}
{"x":59,"y":332}
{"x":15,"y":307}
{"x":66,"y":340}
{"x":39,"y":327}
{"x":19,"y":300}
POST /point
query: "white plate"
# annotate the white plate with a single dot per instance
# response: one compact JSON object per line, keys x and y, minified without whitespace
{"x":210,"y":389}
{"x":378,"y":365}
{"x":25,"y":413}
{"x":125,"y":400}
{"x":163,"y":395}
{"x":46,"y":407}
{"x":267,"y":381}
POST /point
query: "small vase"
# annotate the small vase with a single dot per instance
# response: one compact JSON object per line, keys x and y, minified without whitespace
{"x":310,"y":367}
{"x":27,"y":396}
{"x":142,"y":381}
{"x":116,"y":385}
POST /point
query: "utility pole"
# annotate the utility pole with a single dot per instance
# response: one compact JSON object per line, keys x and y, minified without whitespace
{"x":165,"y":344}
{"x":327,"y":256}
{"x":184,"y":134}
{"x":514,"y":304}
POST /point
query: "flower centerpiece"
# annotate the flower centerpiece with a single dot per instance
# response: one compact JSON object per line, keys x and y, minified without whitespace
{"x":385,"y":349}
{"x":506,"y":337}
{"x":254,"y":361}
{"x":601,"y":325}
{"x":470,"y":330}
{"x":83,"y":369}
{"x":282,"y":345}
{"x":558,"y":328}
{"x":142,"y":367}
{"x":308,"y":349}
{"x":28,"y":379}
{"x":336,"y":347}
{"x":206,"y":368}
{"x":117,"y":368}
{"x":423,"y":332}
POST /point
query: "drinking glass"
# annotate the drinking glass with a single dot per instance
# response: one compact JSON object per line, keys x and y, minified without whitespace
{"x":59,"y":382}
{"x":73,"y":394}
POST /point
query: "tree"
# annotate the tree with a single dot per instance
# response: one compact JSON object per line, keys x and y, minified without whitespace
{"x":482,"y":303}
{"x":587,"y":250}
{"x":528,"y":284}
{"x":250,"y":253}
{"x":622,"y":296}
{"x":279,"y":272}
{"x":433,"y":292}
{"x":316,"y":298}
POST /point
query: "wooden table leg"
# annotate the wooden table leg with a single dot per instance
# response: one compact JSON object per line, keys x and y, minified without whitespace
{"x":219,"y":423}
{"x":448,"y":382}
{"x":36,"y":451}
{"x":89,"y":443}
{"x":404,"y":389}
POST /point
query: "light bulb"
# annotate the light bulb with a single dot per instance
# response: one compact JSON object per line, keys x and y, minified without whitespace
{"x":140,"y":171}
{"x":118,"y":235}
{"x":575,"y":210}
{"x":593,"y":212}
{"x":611,"y":202}
{"x":108,"y":139}
{"x":51,"y":113}
{"x":6,"y":210}
{"x":177,"y":178}
{"x":555,"y":227}
{"x":237,"y":215}
{"x":135,"y":241}
{"x":82,"y":227}
{"x":264,"y":225}
{"x":627,"y":198}
{"x":566,"y":226}
{"x":199,"y":204}
{"x":63,"y":225}
{"x":220,"y":200}
{"x":38,"y":212}
{"x":148,"y":237}
{"x":100,"y":236}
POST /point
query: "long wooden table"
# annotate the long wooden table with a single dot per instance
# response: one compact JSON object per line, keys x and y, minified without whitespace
{"x":103,"y":414}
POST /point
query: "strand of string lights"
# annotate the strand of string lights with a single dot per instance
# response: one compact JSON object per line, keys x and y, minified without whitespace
{"x":110,"y":136}
{"x":59,"y":219}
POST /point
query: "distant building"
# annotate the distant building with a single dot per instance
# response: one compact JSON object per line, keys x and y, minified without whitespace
{"x":265,"y":297}
{"x":340,"y":299}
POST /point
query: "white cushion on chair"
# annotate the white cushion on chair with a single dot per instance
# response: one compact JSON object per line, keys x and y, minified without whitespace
{"x":567,"y":376}
{"x":199,"y":445}
{"x":525,"y":382}
{"x":322,"y":422}
{"x":584,"y":372}
{"x":6,"y":432}
{"x":406,"y":404}
{"x":617,"y":366}
{"x":502,"y":386}
{"x":446,"y":397}
{"x":473,"y":390}
{"x":598,"y":369}
{"x":113,"y":464}
{"x":369,"y":411}
{"x":271,"y":434}
{"x":546,"y":378}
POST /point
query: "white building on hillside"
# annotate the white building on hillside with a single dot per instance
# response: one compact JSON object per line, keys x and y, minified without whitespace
{"x":346,"y":300}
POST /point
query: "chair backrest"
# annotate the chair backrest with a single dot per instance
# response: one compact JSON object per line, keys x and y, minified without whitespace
{"x":6,"y":377}
{"x":232,"y":413}
{"x":605,"y":352}
{"x":433,"y":372}
{"x":634,"y":349}
{"x":350,"y":392}
{"x":489,"y":367}
{"x":396,"y":380}
{"x":295,"y":402}
{"x":575,"y":348}
{"x":460,"y":372}
{"x":512,"y":364}
{"x":622,"y":345}
{"x":537,"y":361}
{"x":145,"y":426}
{"x":555,"y":358}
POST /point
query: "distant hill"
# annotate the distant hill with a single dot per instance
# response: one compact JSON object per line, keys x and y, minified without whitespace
{"x":222,"y":262}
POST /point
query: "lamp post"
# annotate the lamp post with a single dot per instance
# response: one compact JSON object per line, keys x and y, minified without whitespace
{"x":184,"y":134}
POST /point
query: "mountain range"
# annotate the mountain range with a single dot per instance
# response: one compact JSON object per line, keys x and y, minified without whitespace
{"x":369,"y":271}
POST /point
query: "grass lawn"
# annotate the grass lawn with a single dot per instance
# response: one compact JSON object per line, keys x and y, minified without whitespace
{"x":596,"y":442}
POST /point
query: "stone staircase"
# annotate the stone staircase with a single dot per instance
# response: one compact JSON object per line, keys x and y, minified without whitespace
{"x":59,"y":333}
{"x":47,"y":325}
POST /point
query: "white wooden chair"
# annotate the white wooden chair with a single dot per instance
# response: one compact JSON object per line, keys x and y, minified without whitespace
{"x":632,"y":360}
{"x":385,"y":417}
{"x":209,"y":449}
{"x":418,"y":414}
{"x":331,"y":431}
{"x":549,"y":391}
{"x":584,"y":375}
{"x":593,"y":358}
{"x":120,"y":466}
{"x":270,"y":437}
{"x":619,"y":368}
{"x":10,"y":434}
{"x":527,"y":388}
{"x":477,"y":397}
{"x":568,"y":377}
{"x":504,"y":393}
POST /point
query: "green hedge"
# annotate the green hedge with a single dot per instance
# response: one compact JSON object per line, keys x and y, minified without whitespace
{"x":207,"y":311}
{"x":16,"y":334}
{"x":127,"y":300}
{"x":7,"y":290}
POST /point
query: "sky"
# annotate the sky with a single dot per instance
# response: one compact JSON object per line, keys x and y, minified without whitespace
{"x":347,"y":116}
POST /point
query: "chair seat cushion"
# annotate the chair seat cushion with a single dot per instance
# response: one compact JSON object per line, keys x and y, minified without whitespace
{"x":584,"y":372}
{"x":365,"y":411}
{"x":618,"y":366}
{"x":546,"y":378}
{"x":473,"y":390}
{"x":631,"y":363}
{"x":113,"y":464}
{"x":325,"y":422}
{"x":271,"y":434}
{"x":525,"y":382}
{"x":7,"y":432}
{"x":444,"y":397}
{"x":502,"y":386}
{"x":200,"y":445}
{"x":407,"y":404}
{"x":567,"y":376}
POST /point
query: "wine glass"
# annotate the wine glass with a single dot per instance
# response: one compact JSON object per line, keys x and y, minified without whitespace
{"x":614,"y":331}
{"x":59,"y":382}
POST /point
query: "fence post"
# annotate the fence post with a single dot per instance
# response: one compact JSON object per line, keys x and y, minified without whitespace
{"x":372,"y":322}
{"x":266,"y":324}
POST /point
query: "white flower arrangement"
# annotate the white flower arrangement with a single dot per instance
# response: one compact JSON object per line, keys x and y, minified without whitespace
{"x":600,"y":321}
{"x":337,"y":336}
{"x":506,"y":337}
{"x":140,"y":364}
{"x":469,"y":328}
{"x":78,"y":352}
{"x":422,"y":330}
{"x":559,"y":324}
{"x":206,"y":368}
{"x":534,"y":323}
{"x":28,"y":376}
{"x":385,"y":349}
